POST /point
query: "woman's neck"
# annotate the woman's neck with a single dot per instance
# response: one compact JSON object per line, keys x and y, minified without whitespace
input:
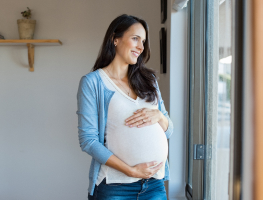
{"x":118,"y":70}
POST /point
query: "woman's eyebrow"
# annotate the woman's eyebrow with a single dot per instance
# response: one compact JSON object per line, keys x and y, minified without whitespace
{"x":138,"y":36}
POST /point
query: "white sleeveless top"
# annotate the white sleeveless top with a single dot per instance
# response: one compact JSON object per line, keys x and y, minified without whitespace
{"x":131,"y":145}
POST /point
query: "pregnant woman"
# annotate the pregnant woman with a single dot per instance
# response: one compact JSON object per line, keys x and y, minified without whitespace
{"x":122,"y":120}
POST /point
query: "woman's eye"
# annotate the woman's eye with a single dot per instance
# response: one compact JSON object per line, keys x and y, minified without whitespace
{"x":135,"y":38}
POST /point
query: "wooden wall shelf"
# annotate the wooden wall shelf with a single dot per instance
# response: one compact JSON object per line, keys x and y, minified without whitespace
{"x":31,"y":47}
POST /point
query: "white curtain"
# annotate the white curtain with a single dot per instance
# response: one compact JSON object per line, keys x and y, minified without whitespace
{"x":179,"y":4}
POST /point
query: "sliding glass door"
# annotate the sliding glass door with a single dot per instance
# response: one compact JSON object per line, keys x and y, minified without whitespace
{"x":211,"y":99}
{"x":196,"y":88}
{"x":218,"y":99}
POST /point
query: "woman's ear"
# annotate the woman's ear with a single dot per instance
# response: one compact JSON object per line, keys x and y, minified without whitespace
{"x":115,"y":42}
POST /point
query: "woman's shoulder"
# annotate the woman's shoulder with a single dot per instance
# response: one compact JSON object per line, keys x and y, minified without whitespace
{"x":91,"y":77}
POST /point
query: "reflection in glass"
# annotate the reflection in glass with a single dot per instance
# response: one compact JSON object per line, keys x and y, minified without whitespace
{"x":223,"y":101}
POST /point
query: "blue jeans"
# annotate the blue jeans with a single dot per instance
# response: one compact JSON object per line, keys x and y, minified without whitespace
{"x":144,"y":189}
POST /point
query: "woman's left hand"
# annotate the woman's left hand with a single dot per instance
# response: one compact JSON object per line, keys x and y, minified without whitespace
{"x":144,"y":117}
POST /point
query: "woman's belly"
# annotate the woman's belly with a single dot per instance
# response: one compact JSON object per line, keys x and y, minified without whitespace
{"x":137,"y":145}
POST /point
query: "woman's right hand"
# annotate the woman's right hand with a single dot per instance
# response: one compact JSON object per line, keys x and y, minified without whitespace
{"x":145,"y":170}
{"x":142,"y":170}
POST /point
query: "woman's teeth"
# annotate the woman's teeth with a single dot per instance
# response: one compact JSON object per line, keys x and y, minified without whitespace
{"x":135,"y":53}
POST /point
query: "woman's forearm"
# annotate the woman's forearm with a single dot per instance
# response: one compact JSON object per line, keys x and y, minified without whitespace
{"x":142,"y":170}
{"x":119,"y":165}
{"x":163,"y":122}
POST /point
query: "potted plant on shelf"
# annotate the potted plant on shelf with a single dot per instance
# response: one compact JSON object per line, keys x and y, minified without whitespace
{"x":26,"y":27}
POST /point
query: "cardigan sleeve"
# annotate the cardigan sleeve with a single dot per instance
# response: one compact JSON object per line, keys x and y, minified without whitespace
{"x":161,"y":107}
{"x":88,"y":122}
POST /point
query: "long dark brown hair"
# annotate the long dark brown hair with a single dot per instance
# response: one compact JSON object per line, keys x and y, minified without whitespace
{"x":141,"y":79}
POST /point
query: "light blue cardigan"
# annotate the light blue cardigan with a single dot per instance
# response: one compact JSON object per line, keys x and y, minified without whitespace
{"x":93,"y":101}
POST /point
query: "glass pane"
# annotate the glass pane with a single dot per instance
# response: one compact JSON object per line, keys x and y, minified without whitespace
{"x":218,"y":96}
{"x":191,"y":98}
{"x":190,"y":133}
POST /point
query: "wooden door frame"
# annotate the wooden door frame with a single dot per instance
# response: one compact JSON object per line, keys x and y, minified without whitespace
{"x":257,"y":60}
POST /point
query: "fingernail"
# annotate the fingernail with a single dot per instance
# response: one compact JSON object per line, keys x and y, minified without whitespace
{"x":130,"y":125}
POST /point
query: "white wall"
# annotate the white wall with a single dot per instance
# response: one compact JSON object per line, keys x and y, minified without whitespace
{"x":40,"y":157}
{"x":173,"y":87}
{"x":178,"y":102}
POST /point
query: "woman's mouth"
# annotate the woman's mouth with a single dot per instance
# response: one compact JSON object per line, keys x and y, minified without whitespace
{"x":135,"y":53}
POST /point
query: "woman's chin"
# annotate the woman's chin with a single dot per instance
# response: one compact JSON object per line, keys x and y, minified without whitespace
{"x":133,"y":62}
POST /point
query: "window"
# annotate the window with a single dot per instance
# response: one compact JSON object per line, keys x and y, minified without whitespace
{"x":214,"y":108}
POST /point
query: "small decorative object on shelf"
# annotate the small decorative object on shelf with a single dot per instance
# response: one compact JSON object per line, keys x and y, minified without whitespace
{"x":26,"y":13}
{"x":26,"y":27}
{"x":2,"y":37}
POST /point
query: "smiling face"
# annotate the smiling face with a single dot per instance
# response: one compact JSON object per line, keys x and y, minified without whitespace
{"x":131,"y":44}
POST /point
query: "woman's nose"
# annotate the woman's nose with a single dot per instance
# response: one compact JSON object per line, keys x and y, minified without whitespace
{"x":140,"y":46}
